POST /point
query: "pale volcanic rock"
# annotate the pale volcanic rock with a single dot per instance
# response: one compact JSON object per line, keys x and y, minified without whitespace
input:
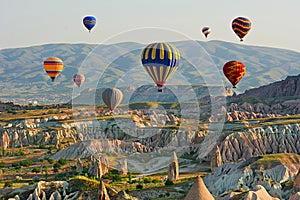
{"x":4,"y":140}
{"x":173,"y":172}
{"x":122,"y":195}
{"x":259,"y":193}
{"x":102,"y":192}
{"x":199,"y":191}
{"x":230,"y":176}
{"x":260,"y":141}
{"x":55,"y":196}
{"x":295,"y":193}
{"x":123,"y":167}
{"x":216,"y":159}
{"x":88,"y":148}
{"x":99,"y":166}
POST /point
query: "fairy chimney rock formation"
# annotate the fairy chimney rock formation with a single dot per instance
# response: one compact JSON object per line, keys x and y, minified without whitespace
{"x":173,"y":172}
{"x":4,"y":140}
{"x":123,"y":168}
{"x":102,"y":192}
{"x":99,"y":166}
{"x":199,"y":191}
{"x":79,"y":165}
{"x":216,"y":159}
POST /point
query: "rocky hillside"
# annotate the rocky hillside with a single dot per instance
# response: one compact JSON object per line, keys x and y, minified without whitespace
{"x":258,"y":139}
{"x":23,"y":77}
{"x":276,"y":173}
{"x":289,"y":87}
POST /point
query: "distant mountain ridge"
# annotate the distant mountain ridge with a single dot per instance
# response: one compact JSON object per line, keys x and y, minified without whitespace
{"x":289,"y":87}
{"x":22,"y":76}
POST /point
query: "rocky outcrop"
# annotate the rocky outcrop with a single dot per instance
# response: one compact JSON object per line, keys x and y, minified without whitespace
{"x":199,"y":191}
{"x":79,"y":165}
{"x":259,"y":193}
{"x":295,"y":193}
{"x":56,"y":190}
{"x":122,"y":195}
{"x":260,"y":110}
{"x":55,"y":196}
{"x":99,"y":166}
{"x":173,"y":173}
{"x":102,"y":193}
{"x":4,"y":140}
{"x":27,"y":132}
{"x":260,"y":141}
{"x":123,"y":167}
{"x":89,"y":148}
{"x":288,"y":87}
{"x":216,"y":159}
{"x":245,"y":175}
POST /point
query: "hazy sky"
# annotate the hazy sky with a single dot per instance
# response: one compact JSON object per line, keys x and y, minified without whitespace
{"x":34,"y":22}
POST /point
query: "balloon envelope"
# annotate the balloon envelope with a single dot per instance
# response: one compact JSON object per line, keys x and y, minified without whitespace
{"x":78,"y":79}
{"x":234,"y":71}
{"x":160,"y":60}
{"x":206,"y":31}
{"x":112,"y":97}
{"x":53,"y":66}
{"x":241,"y":26}
{"x":89,"y":22}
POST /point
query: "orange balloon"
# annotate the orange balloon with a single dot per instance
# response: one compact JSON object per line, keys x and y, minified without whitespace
{"x":234,"y":71}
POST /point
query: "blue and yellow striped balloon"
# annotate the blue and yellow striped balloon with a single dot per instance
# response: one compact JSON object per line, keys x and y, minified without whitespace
{"x":160,"y":60}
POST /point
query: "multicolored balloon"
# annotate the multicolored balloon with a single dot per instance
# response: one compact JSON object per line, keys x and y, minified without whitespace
{"x":160,"y":60}
{"x":89,"y":22}
{"x":53,"y":66}
{"x":206,"y":31}
{"x":112,"y":97}
{"x":234,"y":71}
{"x":241,"y":26}
{"x":78,"y":79}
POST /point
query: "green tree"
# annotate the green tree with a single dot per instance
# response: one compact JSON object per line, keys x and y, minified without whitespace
{"x":169,"y":182}
{"x":8,"y":184}
{"x":139,"y":186}
{"x":36,"y":170}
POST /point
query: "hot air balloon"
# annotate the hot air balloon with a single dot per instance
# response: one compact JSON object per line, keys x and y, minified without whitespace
{"x":160,"y":60}
{"x":241,"y":26}
{"x":206,"y":31}
{"x":234,"y":71}
{"x":53,"y":66}
{"x":89,"y":22}
{"x":78,"y":79}
{"x":112,"y":97}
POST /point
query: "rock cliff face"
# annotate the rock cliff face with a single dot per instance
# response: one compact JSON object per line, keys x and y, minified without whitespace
{"x":270,"y":172}
{"x":288,"y":87}
{"x":260,"y":141}
{"x":89,"y":148}
{"x":260,"y":110}
{"x":26,"y":132}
